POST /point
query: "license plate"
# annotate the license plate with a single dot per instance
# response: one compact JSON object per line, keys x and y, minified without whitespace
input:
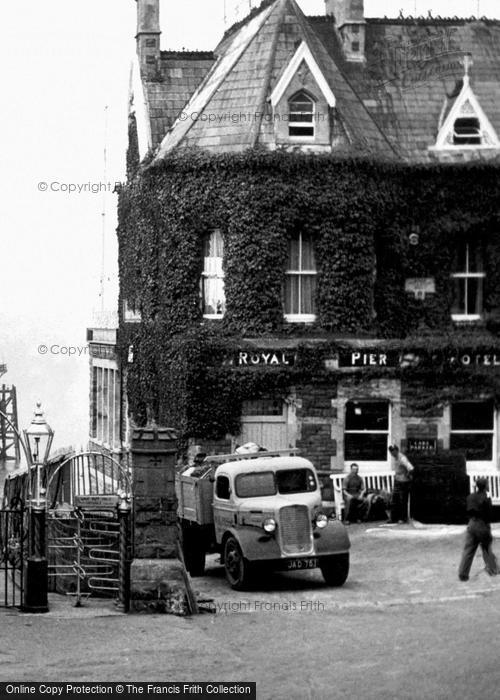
{"x":298,"y":564}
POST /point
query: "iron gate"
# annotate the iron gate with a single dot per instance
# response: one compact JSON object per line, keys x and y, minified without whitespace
{"x":89,"y":528}
{"x":13,"y":533}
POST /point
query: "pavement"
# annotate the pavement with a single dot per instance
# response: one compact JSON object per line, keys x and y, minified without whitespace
{"x":403,"y":627}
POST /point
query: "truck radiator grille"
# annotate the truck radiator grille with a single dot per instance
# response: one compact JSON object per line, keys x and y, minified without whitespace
{"x":295,"y":528}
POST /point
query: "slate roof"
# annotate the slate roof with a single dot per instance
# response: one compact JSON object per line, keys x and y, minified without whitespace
{"x":389,"y":105}
{"x":411,"y":73}
{"x":178,"y":75}
{"x":250,"y":64}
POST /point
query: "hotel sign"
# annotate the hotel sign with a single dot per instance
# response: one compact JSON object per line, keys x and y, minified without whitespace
{"x":369,"y":358}
{"x":262,"y":358}
{"x":479,"y":360}
{"x":362,"y":359}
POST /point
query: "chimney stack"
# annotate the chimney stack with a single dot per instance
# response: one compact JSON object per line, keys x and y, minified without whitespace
{"x":148,"y":35}
{"x":351,"y":26}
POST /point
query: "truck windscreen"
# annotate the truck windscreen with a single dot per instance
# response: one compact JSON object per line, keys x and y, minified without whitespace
{"x":255,"y":484}
{"x":295,"y":481}
{"x":285,"y":481}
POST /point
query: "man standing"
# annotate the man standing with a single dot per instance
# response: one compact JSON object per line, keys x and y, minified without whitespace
{"x":352,"y":490}
{"x":478,"y":531}
{"x":402,"y":471}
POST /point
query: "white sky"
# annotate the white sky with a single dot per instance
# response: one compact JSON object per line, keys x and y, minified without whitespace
{"x":62,"y":62}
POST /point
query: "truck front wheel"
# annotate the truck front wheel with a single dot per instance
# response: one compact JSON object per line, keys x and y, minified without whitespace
{"x":237,"y":568}
{"x":335,"y":569}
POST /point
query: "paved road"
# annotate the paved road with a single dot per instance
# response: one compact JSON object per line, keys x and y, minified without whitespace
{"x":402,"y":627}
{"x":390,"y":565}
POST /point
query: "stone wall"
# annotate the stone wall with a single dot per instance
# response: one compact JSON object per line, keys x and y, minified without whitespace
{"x":316,"y":414}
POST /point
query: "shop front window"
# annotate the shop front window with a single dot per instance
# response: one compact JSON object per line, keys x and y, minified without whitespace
{"x":366,"y":437}
{"x":263,"y":408}
{"x":472,"y":429}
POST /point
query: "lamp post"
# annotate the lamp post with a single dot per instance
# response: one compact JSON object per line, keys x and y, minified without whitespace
{"x":38,"y":438}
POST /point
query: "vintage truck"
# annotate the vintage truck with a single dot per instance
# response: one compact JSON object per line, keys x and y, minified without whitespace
{"x":260,"y":511}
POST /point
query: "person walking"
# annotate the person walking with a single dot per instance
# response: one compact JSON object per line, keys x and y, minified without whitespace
{"x":478,"y":532}
{"x":353,"y":487}
{"x":401,"y":491}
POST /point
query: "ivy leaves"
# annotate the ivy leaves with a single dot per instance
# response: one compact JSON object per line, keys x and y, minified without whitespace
{"x":359,"y":214}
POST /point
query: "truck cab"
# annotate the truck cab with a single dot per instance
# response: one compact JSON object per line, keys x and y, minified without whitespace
{"x":265,"y":514}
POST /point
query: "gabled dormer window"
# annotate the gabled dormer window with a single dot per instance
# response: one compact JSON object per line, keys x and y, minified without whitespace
{"x":301,"y":115}
{"x":468,"y":280}
{"x":212,"y":278}
{"x":463,"y":124}
{"x":301,"y":102}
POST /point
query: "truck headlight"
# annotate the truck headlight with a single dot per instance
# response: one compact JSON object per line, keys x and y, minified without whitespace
{"x":321,"y":520}
{"x":269,"y":525}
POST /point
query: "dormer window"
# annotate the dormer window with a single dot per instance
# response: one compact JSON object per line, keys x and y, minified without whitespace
{"x":212,"y":279}
{"x":467,"y":131}
{"x":468,"y":281}
{"x":301,"y":102}
{"x":463,"y":124}
{"x":301,"y":116}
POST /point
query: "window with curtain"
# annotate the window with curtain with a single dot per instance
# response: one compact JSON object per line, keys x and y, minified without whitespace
{"x":468,"y":280}
{"x":300,"y":283}
{"x":212,"y":282}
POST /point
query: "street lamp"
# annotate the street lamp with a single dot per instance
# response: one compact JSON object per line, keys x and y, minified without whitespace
{"x":38,"y":438}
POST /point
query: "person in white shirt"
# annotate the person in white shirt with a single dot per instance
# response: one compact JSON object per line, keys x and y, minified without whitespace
{"x":402,"y":479}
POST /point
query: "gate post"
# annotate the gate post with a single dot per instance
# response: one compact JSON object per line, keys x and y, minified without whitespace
{"x":124,"y":553}
{"x":36,"y":584}
{"x":156,"y":575}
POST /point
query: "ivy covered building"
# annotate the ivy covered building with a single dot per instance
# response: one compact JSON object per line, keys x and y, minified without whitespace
{"x":309,"y":239}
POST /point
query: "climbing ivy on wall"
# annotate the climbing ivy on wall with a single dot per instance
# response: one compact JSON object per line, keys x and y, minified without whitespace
{"x":448,"y":205}
{"x":359,"y":213}
{"x":193,"y":382}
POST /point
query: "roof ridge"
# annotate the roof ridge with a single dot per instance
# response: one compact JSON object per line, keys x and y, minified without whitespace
{"x":187,"y":53}
{"x":253,"y":13}
{"x":269,"y":71}
{"x":419,"y":20}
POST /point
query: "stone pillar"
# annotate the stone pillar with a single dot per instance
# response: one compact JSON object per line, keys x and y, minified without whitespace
{"x":157,"y":578}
